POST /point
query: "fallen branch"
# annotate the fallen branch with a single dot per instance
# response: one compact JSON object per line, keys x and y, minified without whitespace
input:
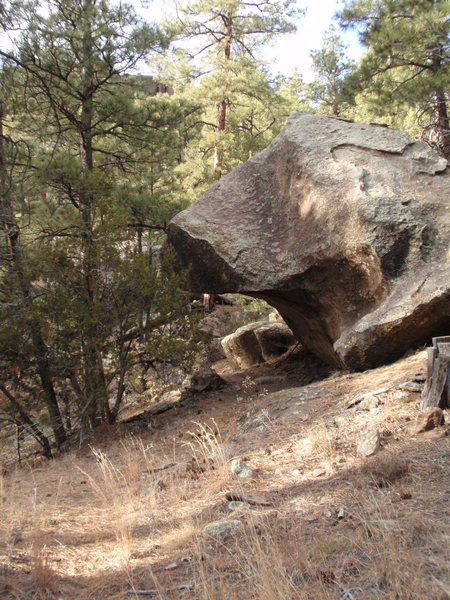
{"x":185,"y":586}
{"x":164,"y":467}
{"x":249,"y":499}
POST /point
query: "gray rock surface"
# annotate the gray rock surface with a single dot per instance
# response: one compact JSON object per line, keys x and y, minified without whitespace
{"x":411,"y":386}
{"x":257,"y":342}
{"x":204,"y":379}
{"x":369,"y":403}
{"x":221,"y":529}
{"x":342,"y":227}
{"x":235,"y":505}
{"x":369,"y":443}
{"x":171,"y":396}
{"x":240,"y":468}
{"x":160,"y":408}
{"x":429,"y":419}
{"x":275,"y":317}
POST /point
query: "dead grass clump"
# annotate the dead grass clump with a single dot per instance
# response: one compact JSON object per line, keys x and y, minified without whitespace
{"x":209,"y":458}
{"x":115,"y":491}
{"x":399,"y":570}
{"x":399,"y":546}
{"x":250,"y":564}
{"x":328,"y":444}
{"x":41,"y":569}
{"x":380,"y":471}
{"x":180,"y":536}
{"x":383,"y":471}
{"x":11,"y":585}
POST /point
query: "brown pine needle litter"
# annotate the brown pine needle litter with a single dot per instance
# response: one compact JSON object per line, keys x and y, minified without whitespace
{"x":123,"y":516}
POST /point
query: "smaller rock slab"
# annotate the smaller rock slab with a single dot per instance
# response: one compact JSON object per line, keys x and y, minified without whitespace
{"x":257,"y":342}
{"x":369,"y":443}
{"x":221,"y":529}
{"x":203,"y":380}
{"x":240,"y":468}
{"x":430,"y":419}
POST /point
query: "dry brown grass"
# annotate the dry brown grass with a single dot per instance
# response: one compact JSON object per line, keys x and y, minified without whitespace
{"x":124,"y":516}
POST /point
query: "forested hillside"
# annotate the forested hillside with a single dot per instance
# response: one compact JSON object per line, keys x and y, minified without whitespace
{"x":96,"y":158}
{"x":164,"y":431}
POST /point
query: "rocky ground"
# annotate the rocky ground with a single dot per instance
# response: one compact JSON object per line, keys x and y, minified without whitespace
{"x":290,"y":482}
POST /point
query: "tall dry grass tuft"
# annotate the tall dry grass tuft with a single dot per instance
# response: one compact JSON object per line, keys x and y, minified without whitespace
{"x":265,"y":562}
{"x":117,"y":495}
{"x":372,"y":557}
{"x":395,"y":540}
{"x":41,"y":569}
{"x":257,"y":563}
{"x":206,"y":446}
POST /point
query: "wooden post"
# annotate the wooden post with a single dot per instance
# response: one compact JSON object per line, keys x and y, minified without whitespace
{"x":437,"y":388}
{"x":432,"y":355}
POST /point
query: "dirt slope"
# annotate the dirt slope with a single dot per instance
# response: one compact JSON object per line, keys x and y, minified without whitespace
{"x":122,"y":516}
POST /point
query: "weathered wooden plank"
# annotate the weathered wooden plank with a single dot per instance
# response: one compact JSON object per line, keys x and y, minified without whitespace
{"x":437,"y":386}
{"x":443,"y":339}
{"x":432,"y":354}
{"x":443,"y":349}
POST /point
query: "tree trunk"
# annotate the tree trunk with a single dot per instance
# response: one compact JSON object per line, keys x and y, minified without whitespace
{"x":96,"y":391}
{"x":28,"y":423}
{"x":124,"y":350}
{"x":443,"y":124}
{"x":11,"y":230}
{"x":223,"y":104}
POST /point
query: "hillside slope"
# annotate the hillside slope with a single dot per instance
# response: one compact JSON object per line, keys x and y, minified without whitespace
{"x":123,"y":515}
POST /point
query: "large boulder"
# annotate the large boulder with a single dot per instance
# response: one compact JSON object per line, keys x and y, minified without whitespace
{"x":256,"y":343}
{"x":343,"y":227}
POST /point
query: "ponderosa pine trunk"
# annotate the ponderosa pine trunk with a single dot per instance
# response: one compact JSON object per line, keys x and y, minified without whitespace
{"x":11,"y":232}
{"x":443,"y":124}
{"x":95,"y":384}
{"x":223,"y":104}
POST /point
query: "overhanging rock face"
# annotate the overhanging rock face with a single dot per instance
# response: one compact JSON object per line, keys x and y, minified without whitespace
{"x":343,"y":227}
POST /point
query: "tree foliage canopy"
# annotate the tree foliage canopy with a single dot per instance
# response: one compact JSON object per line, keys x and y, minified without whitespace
{"x":331,"y":67}
{"x":237,"y":97}
{"x":407,"y":64}
{"x":86,"y":156}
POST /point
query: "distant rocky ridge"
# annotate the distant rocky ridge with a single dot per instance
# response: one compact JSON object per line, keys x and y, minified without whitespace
{"x":343,"y":227}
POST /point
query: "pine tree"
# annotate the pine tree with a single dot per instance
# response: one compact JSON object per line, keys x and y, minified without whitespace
{"x":236,"y":93}
{"x":294,"y":92}
{"x":100,"y":152}
{"x":16,"y":286}
{"x":407,"y":65}
{"x":330,"y":66}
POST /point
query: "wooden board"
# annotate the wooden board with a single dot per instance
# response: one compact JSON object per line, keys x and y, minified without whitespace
{"x":437,"y":388}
